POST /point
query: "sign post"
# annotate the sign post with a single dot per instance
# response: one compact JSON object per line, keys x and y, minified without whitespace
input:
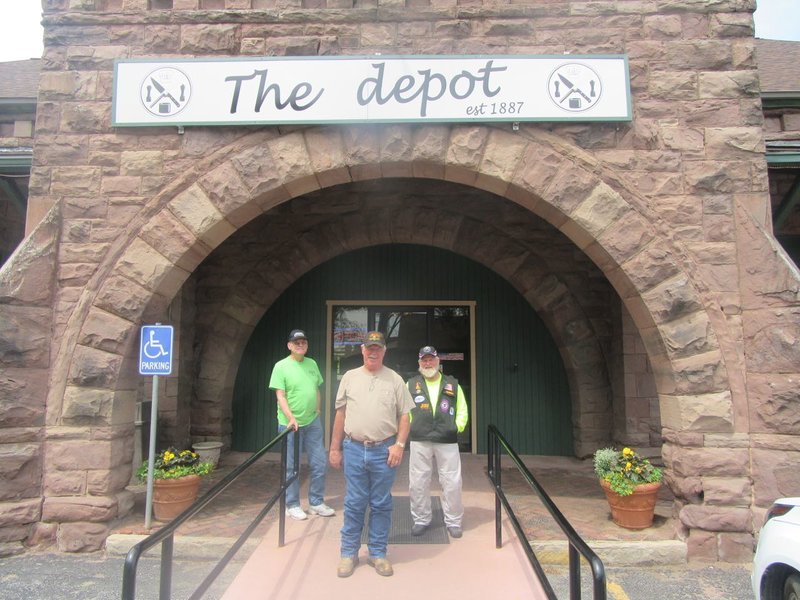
{"x":155,"y":358}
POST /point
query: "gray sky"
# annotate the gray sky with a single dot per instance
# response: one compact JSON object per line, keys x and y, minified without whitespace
{"x":21,"y":34}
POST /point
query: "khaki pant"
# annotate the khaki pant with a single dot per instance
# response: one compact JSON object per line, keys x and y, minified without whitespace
{"x":420,"y":470}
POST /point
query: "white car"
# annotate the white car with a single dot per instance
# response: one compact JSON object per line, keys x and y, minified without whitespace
{"x":776,"y":566}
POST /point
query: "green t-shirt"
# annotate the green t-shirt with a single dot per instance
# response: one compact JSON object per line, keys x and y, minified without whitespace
{"x":300,"y":381}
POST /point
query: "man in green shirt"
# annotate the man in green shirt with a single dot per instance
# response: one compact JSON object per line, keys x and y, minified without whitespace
{"x":296,"y":380}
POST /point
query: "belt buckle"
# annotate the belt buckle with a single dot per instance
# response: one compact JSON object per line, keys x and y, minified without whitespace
{"x":369,"y":443}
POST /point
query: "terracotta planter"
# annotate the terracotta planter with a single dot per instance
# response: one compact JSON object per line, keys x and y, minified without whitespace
{"x":634,"y":511}
{"x":172,"y":496}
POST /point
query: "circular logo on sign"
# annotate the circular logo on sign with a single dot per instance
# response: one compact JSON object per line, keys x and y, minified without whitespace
{"x":574,"y":87}
{"x":165,"y":92}
{"x":419,"y":399}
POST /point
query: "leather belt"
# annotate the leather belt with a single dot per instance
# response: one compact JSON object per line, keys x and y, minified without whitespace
{"x":368,"y":443}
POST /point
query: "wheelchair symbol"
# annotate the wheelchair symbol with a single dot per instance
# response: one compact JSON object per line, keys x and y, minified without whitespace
{"x":153,"y":348}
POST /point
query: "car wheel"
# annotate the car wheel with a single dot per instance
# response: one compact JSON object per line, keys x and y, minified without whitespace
{"x":791,"y":589}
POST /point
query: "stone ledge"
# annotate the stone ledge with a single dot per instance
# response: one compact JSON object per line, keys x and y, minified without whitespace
{"x":617,"y":553}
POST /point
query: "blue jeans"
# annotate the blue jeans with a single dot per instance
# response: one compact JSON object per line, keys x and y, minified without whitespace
{"x":311,"y":440}
{"x":369,"y":482}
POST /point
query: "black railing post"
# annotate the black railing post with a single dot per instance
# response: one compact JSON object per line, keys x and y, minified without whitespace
{"x":165,"y":535}
{"x":282,"y":505}
{"x":129,"y":576}
{"x":496,"y":442}
{"x":574,"y":573}
{"x":165,"y":585}
{"x":498,"y":529}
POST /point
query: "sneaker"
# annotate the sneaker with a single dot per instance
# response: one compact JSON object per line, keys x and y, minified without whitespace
{"x":418,"y":529}
{"x":455,"y":532}
{"x":297,"y":513}
{"x":323,"y":510}
{"x":382,"y":566}
{"x":347,"y":564}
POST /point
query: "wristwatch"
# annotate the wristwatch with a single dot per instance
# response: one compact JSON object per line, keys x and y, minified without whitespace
{"x":401,"y":444}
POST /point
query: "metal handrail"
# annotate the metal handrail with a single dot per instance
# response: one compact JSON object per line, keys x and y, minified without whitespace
{"x":166,"y":534}
{"x":576,"y":544}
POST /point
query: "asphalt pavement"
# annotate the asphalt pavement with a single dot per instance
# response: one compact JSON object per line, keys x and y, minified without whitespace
{"x":93,"y":576}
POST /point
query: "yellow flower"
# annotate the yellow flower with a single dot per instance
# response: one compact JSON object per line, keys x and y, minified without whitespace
{"x":627,"y":452}
{"x":168,"y":456}
{"x":628,"y":466}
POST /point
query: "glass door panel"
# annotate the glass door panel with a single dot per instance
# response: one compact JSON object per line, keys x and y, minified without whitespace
{"x":407,"y":329}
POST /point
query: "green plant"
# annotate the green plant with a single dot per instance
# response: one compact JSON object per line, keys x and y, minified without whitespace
{"x":173,"y":464}
{"x":624,"y":469}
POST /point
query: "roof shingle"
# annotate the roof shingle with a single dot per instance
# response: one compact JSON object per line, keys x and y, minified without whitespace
{"x":20,"y":78}
{"x":778,"y":65}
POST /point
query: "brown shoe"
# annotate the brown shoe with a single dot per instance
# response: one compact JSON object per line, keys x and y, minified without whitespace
{"x":347,"y":564}
{"x":382,"y":566}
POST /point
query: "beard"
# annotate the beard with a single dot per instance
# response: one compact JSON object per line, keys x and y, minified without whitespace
{"x":430,"y":373}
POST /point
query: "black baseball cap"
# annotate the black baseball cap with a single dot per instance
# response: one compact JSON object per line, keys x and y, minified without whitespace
{"x":427,"y":350}
{"x":375,"y":338}
{"x":297,"y":334}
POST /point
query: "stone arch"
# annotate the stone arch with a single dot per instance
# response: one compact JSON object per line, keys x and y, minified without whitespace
{"x":587,"y":201}
{"x":429,"y":222}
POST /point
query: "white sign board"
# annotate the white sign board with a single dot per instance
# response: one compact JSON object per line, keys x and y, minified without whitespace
{"x":315,"y":90}
{"x":155,"y":350}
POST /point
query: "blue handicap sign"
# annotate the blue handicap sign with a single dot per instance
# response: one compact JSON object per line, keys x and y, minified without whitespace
{"x":155,"y":350}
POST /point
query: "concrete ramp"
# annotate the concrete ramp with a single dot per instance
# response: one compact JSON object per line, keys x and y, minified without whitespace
{"x":469,"y":567}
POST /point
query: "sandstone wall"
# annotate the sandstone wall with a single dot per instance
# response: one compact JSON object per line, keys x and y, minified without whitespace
{"x":672,"y":208}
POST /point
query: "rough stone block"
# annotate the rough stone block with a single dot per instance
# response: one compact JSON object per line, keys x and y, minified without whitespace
{"x":81,"y":537}
{"x":696,"y":462}
{"x":701,"y":546}
{"x":716,"y":518}
{"x":724,"y":491}
{"x":700,"y":412}
{"x":735,"y":547}
{"x":775,"y":475}
{"x":96,"y":509}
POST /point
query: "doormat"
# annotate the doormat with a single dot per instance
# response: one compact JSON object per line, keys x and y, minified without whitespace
{"x":400,"y":533}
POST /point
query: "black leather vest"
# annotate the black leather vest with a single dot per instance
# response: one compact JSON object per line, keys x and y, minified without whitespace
{"x":430,"y":426}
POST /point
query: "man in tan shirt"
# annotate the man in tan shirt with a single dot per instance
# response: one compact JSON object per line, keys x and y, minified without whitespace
{"x":369,"y":434}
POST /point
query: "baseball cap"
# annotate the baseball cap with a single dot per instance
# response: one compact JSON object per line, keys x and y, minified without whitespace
{"x":427,"y":350}
{"x":297,"y":334}
{"x":375,"y":338}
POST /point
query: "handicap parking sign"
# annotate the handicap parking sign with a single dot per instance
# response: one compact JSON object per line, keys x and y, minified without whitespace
{"x":155,"y":350}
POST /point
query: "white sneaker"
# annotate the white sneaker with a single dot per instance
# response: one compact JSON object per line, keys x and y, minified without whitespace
{"x":297,"y":513}
{"x":323,"y":510}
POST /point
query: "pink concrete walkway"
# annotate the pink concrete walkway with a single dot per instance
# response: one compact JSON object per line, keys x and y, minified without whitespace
{"x":470,"y":567}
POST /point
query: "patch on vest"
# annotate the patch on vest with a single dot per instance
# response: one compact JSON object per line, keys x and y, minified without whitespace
{"x":448,"y":389}
{"x":444,"y":405}
{"x":419,"y":399}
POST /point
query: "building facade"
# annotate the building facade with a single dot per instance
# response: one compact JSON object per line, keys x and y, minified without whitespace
{"x":641,"y":252}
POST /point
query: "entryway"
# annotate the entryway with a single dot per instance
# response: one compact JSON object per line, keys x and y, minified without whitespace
{"x":448,"y":326}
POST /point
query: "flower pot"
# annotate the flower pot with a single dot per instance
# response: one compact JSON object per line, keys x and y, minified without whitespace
{"x":634,"y":511}
{"x":172,"y":496}
{"x":208,"y":451}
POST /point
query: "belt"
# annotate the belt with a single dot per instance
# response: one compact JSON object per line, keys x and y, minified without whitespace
{"x":368,"y":443}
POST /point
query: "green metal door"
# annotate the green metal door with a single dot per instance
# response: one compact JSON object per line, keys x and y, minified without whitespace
{"x":520,"y":382}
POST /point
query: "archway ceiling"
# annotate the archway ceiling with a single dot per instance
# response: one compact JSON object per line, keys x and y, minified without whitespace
{"x":239,"y":281}
{"x":268,"y":254}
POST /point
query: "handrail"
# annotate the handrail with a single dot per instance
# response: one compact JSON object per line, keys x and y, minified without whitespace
{"x":576,"y":544}
{"x":166,"y":533}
